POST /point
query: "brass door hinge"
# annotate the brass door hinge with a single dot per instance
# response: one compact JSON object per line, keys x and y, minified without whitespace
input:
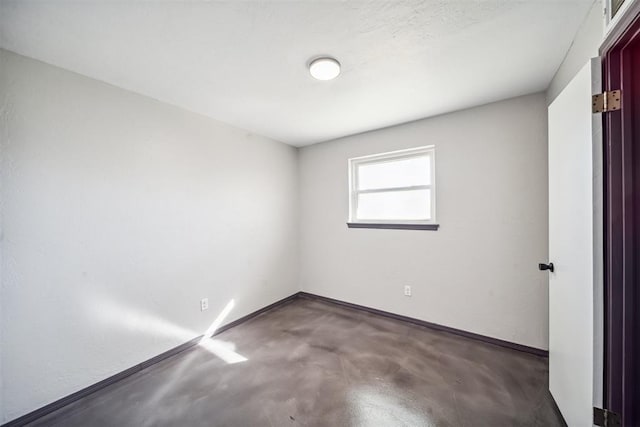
{"x":605,"y":418}
{"x":607,"y":101}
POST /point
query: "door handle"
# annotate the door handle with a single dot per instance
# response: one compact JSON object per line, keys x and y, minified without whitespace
{"x":543,"y":267}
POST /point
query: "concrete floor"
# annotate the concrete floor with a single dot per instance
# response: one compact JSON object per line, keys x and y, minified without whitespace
{"x":312,"y":363}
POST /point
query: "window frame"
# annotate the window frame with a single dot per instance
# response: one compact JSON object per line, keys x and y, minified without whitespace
{"x":355,"y":162}
{"x":612,"y":19}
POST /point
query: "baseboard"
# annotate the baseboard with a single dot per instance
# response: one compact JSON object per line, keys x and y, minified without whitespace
{"x":255,"y":313}
{"x":556,"y":409}
{"x":67,"y":400}
{"x":460,"y":332}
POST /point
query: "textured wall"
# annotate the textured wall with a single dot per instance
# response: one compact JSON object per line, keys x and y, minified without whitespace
{"x":479,"y":271}
{"x":119,"y":214}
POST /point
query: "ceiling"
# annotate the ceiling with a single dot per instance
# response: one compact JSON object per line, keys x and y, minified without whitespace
{"x":245,"y":62}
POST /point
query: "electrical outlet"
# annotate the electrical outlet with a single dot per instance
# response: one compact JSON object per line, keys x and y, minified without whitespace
{"x":407,"y":291}
{"x":204,"y":304}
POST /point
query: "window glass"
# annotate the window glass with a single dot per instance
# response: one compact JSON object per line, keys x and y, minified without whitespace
{"x":395,"y":173}
{"x":410,"y":205}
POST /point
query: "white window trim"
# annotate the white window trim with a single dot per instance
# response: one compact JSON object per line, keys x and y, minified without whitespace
{"x":391,"y":156}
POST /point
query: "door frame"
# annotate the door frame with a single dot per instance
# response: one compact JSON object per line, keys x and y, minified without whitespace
{"x":621,"y":151}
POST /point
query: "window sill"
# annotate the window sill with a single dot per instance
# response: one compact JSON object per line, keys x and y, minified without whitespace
{"x":432,"y":227}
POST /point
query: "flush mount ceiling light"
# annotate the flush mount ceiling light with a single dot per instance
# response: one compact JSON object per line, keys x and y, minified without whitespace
{"x":324,"y":68}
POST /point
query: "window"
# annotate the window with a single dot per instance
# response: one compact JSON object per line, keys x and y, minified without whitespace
{"x":393,"y":190}
{"x":615,"y":11}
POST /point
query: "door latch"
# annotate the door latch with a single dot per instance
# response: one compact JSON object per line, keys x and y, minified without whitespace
{"x":543,"y":267}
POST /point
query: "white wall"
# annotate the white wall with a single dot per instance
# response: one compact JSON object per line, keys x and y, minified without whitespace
{"x":479,"y":271}
{"x":119,"y":214}
{"x":584,"y":47}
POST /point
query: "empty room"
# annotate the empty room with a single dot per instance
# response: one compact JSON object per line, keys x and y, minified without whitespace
{"x":352,"y":213}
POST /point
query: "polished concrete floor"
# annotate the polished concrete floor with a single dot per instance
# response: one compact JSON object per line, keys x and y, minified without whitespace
{"x":311,"y":363}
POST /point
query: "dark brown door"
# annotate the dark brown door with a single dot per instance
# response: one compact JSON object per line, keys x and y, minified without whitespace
{"x":621,"y":70}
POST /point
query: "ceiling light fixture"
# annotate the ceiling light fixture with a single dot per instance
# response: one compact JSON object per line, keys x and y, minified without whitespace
{"x":324,"y":68}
